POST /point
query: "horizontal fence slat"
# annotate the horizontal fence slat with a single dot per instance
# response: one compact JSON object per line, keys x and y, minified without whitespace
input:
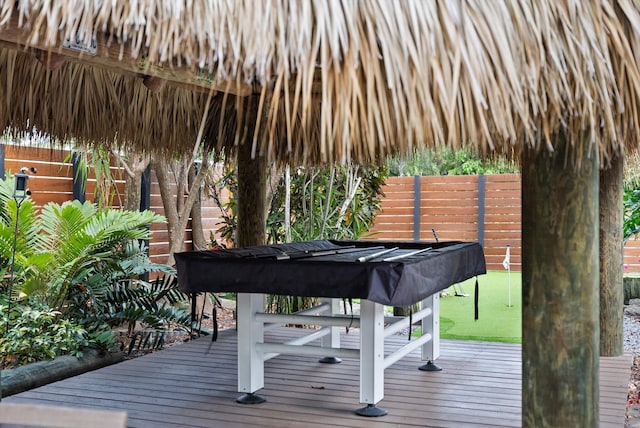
{"x":449,"y":205}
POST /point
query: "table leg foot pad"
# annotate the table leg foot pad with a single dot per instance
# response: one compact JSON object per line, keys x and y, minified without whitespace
{"x":371,"y":411}
{"x":430,"y":367}
{"x":330,"y":360}
{"x":250,"y":398}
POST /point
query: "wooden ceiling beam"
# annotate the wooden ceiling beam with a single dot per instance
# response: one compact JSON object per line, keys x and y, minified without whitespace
{"x":117,"y":58}
{"x":50,"y":60}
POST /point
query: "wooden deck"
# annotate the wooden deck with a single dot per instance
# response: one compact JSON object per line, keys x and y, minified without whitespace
{"x":194,"y":385}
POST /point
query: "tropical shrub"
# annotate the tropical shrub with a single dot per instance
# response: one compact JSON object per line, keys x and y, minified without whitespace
{"x":337,"y":202}
{"x":631,"y":203}
{"x":631,"y":197}
{"x":38,"y":333}
{"x":86,"y":265}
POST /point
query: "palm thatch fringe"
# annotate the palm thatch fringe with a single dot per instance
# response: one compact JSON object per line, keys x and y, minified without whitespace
{"x":341,"y":80}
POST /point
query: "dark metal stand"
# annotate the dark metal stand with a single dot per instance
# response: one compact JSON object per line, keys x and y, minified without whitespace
{"x":330,"y":360}
{"x":250,"y":398}
{"x":371,"y":411}
{"x":430,"y":367}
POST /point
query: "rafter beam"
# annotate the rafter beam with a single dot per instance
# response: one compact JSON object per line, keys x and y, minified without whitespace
{"x":117,"y":58}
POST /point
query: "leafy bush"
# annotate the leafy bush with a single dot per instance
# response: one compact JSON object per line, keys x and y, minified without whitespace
{"x":337,"y":201}
{"x":631,"y":202}
{"x":446,"y":161}
{"x":87,"y":265}
{"x":38,"y":333}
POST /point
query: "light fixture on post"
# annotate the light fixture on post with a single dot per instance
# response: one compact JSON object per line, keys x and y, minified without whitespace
{"x":20,"y":192}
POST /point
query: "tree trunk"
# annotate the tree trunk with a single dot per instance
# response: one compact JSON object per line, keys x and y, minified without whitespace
{"x":132,"y":192}
{"x":560,"y":325}
{"x":611,"y":258}
{"x":176,"y":207}
{"x":251,"y":200}
{"x":134,"y":166}
{"x":176,"y":239}
{"x":197,"y":231}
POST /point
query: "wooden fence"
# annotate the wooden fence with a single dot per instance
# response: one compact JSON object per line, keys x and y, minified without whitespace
{"x":481,"y":208}
{"x":54,"y":182}
{"x":484,"y":208}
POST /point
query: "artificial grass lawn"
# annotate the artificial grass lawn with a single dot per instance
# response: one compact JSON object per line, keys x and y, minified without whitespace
{"x":497,"y":321}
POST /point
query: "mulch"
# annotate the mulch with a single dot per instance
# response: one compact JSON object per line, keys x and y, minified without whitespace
{"x":225,"y":317}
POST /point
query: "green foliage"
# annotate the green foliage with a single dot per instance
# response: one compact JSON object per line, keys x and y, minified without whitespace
{"x":87,"y":266}
{"x":228,"y":209}
{"x":337,"y":202}
{"x":631,"y":198}
{"x":38,"y":333}
{"x":98,"y":159}
{"x":156,"y":303}
{"x":446,"y":161}
{"x":72,"y":247}
{"x":631,"y":203}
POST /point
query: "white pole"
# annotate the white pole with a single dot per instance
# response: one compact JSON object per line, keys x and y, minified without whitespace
{"x":287,"y":204}
{"x":509,"y":281}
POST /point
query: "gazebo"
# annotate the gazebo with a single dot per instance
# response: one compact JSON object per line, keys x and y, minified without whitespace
{"x":555,"y":83}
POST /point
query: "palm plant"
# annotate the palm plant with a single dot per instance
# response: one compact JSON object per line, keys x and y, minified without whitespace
{"x":87,"y":264}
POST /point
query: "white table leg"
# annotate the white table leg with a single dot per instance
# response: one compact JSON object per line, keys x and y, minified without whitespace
{"x":331,"y":340}
{"x":250,"y":361}
{"x":431,"y":325}
{"x":371,"y":357}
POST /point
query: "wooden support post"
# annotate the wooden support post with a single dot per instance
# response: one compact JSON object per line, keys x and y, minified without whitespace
{"x":252,"y":190}
{"x":560,"y":325}
{"x":611,"y":258}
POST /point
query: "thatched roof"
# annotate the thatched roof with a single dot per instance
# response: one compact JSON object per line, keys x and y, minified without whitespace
{"x":391,"y":75}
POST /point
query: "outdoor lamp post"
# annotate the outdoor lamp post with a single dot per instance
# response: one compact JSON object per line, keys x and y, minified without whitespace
{"x":20,"y":192}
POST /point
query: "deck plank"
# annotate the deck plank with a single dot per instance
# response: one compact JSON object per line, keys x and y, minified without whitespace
{"x":195,"y":385}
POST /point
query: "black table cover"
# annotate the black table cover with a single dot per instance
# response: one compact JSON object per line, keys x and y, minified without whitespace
{"x":262,"y":269}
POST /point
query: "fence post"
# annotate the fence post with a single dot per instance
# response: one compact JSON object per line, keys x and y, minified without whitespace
{"x":2,"y":172}
{"x":416,"y":207}
{"x":145,"y":204}
{"x":145,"y":189}
{"x":79,"y":179}
{"x":400,"y":311}
{"x":481,"y":195}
